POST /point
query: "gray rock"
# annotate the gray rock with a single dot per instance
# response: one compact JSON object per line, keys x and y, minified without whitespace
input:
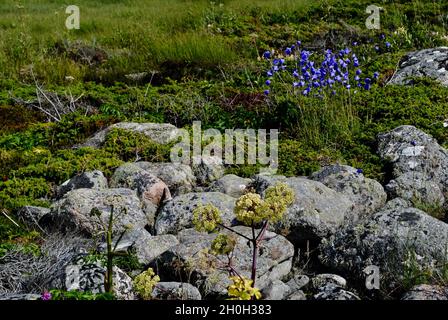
{"x":150,"y":249}
{"x":175,"y":291}
{"x":91,"y":275}
{"x":298,"y":282}
{"x":207,"y":169}
{"x":231,"y":185}
{"x":149,"y":188}
{"x":388,"y":240}
{"x":276,"y":290}
{"x":177,"y":214}
{"x":396,"y":204}
{"x":261,"y":182}
{"x":203,"y":270}
{"x":162,"y":133}
{"x":178,"y":177}
{"x":86,"y":180}
{"x":147,"y":248}
{"x":297,"y":295}
{"x":317,"y":211}
{"x":30,"y":216}
{"x":432,"y":63}
{"x":331,"y":291}
{"x":426,"y":292}
{"x":325,"y":278}
{"x":73,"y":211}
{"x":416,"y":188}
{"x":368,"y":195}
{"x":410,"y":150}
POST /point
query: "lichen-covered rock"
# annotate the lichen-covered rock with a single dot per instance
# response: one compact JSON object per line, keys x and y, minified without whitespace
{"x":148,"y":250}
{"x":190,"y":258}
{"x":368,"y":195}
{"x":426,"y":292}
{"x":148,"y":187}
{"x":331,"y":291}
{"x":325,"y":278}
{"x":162,"y":133}
{"x":177,"y":214}
{"x":231,"y":185}
{"x":432,"y":63}
{"x":88,"y":276}
{"x":389,"y":240}
{"x":276,"y":290}
{"x":73,"y":211}
{"x":86,"y":180}
{"x":418,"y":156}
{"x":207,"y":169}
{"x":178,"y":177}
{"x":417,"y":188}
{"x":30,"y":216}
{"x":396,"y":203}
{"x":175,"y":291}
{"x":297,"y":295}
{"x":261,"y":182}
{"x":317,"y":211}
{"x":298,"y":282}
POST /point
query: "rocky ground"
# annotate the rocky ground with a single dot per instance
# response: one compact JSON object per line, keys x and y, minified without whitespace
{"x":348,"y":222}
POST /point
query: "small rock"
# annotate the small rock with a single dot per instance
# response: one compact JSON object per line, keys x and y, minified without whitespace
{"x":207,"y":169}
{"x":178,"y":177}
{"x":396,"y":204}
{"x":333,"y":292}
{"x":298,"y":282}
{"x":297,"y":295}
{"x":276,"y":290}
{"x":177,"y":214}
{"x":231,"y":185}
{"x":87,"y":180}
{"x":148,"y":187}
{"x":175,"y":291}
{"x":30,"y":216}
{"x":322,"y":279}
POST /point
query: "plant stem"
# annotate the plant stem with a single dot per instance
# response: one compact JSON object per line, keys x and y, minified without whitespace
{"x":234,"y":231}
{"x":254,"y":256}
{"x":108,"y":285}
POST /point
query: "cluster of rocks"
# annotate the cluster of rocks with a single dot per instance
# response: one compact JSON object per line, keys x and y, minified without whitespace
{"x":345,"y":213}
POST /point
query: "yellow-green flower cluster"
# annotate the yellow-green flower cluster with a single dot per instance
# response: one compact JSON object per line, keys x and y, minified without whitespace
{"x":144,"y":283}
{"x":206,"y":218}
{"x":247,"y":209}
{"x":281,"y":192}
{"x":251,"y":209}
{"x":241,"y":289}
{"x":223,"y":244}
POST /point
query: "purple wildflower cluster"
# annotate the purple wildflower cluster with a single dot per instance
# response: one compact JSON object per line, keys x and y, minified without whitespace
{"x":340,"y":68}
{"x":46,"y":296}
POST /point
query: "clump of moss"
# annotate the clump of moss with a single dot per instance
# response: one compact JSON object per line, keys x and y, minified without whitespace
{"x":130,"y":146}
